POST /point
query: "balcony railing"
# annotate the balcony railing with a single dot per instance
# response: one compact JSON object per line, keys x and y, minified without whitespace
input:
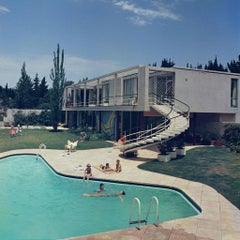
{"x":110,"y":101}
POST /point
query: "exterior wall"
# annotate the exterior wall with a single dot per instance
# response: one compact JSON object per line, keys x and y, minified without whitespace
{"x":205,"y":91}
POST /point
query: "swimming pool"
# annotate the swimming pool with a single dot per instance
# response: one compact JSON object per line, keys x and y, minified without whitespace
{"x":36,"y":203}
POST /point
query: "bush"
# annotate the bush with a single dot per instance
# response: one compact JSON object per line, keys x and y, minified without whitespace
{"x":44,"y":118}
{"x":19,"y":118}
{"x":232,"y":136}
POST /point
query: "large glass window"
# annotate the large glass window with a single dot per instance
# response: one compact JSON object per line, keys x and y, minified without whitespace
{"x":234,"y":92}
{"x":106,"y":93}
{"x":129,"y":90}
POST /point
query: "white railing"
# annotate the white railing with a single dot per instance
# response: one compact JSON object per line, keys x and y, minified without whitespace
{"x":176,"y":121}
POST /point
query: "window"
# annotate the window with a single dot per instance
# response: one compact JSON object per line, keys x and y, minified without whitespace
{"x":106,"y":93}
{"x":129,"y":90}
{"x":234,"y":92}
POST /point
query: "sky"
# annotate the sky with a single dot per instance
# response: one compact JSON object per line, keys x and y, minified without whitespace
{"x":103,"y":36}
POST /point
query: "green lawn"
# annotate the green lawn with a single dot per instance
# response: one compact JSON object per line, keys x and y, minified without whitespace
{"x":214,"y":166}
{"x":32,"y":138}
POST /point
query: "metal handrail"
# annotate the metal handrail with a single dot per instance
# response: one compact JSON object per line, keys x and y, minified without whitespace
{"x":157,"y":209}
{"x":139,"y":220}
{"x":175,"y":105}
{"x":139,"y":212}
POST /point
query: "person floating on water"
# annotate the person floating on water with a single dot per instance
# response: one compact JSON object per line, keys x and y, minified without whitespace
{"x":100,"y":194}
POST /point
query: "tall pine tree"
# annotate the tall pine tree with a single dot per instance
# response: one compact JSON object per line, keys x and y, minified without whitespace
{"x":234,"y":66}
{"x":24,"y":90}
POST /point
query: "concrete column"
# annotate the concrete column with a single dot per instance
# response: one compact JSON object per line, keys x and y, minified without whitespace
{"x":143,"y":87}
{"x":98,"y":92}
{"x":85,"y":95}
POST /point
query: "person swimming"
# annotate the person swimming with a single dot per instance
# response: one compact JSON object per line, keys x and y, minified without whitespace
{"x":101,"y":188}
{"x":99,"y":194}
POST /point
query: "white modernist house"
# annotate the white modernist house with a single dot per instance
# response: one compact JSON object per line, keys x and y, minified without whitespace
{"x":149,"y":104}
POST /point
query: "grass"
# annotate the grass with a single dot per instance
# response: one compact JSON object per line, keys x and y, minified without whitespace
{"x":214,"y":166}
{"x":32,"y":138}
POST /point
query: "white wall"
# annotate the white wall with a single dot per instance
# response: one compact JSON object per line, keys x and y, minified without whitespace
{"x":205,"y":91}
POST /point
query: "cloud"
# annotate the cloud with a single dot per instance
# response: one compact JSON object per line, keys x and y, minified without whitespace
{"x":4,"y":9}
{"x":143,"y":16}
{"x":76,"y":68}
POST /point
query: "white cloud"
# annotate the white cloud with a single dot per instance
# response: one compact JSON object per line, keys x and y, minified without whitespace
{"x":142,"y":16}
{"x":4,"y":9}
{"x":76,"y":68}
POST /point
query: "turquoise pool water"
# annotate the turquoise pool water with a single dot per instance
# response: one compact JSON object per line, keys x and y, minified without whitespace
{"x":36,"y":203}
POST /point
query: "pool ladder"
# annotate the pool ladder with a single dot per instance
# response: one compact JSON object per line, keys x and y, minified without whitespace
{"x":139,"y":220}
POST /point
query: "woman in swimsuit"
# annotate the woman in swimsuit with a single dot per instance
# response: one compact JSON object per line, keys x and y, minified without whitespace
{"x":88,"y":172}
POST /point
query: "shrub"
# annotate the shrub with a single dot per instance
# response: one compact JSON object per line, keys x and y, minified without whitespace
{"x":44,"y":118}
{"x":232,"y":136}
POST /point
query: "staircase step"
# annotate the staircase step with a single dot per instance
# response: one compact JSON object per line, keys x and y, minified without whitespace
{"x":178,"y":123}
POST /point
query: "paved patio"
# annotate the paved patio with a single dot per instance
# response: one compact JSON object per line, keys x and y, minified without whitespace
{"x":219,"y":219}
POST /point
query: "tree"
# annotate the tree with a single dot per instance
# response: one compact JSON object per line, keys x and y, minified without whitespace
{"x":167,"y":63}
{"x":234,"y":66}
{"x":7,"y":96}
{"x":36,"y":90}
{"x":215,"y":66}
{"x":199,"y":66}
{"x":43,"y":95}
{"x":24,"y":90}
{"x":58,"y":77}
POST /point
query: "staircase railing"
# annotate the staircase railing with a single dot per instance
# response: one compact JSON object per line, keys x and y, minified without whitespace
{"x":173,"y":109}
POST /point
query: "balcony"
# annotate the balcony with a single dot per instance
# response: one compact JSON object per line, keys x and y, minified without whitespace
{"x":117,"y":101}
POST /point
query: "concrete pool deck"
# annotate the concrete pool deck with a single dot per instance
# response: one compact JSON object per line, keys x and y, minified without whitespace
{"x":219,"y":219}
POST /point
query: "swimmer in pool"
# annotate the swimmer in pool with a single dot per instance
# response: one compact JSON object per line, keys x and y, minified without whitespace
{"x":101,"y":188}
{"x":99,"y":194}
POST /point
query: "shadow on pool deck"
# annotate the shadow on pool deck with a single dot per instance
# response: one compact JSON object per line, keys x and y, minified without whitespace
{"x":219,"y":219}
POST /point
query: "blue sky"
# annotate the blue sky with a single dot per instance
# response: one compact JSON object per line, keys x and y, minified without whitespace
{"x":101,"y":36}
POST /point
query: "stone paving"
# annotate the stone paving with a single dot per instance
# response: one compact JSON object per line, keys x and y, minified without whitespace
{"x":219,"y":219}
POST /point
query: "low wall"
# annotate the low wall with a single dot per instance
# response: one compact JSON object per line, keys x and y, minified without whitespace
{"x":8,"y":119}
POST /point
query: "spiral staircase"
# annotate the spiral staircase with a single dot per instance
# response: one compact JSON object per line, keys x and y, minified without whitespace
{"x":176,"y":121}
